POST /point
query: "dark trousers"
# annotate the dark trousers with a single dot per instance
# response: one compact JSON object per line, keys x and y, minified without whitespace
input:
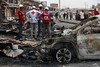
{"x":66,"y":16}
{"x":82,"y":19}
{"x":19,"y":30}
{"x":40,"y":27}
{"x":46,"y":30}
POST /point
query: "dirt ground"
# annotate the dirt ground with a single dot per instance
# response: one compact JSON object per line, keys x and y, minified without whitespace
{"x":17,"y":62}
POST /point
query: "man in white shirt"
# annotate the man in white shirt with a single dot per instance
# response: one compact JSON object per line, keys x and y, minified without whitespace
{"x":82,"y":15}
{"x":33,"y":14}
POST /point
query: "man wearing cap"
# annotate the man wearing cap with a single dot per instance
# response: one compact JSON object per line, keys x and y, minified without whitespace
{"x":39,"y":21}
{"x":33,"y":14}
{"x":46,"y":21}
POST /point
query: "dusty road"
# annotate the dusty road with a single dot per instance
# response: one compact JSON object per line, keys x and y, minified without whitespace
{"x":83,"y":64}
{"x":16,"y":62}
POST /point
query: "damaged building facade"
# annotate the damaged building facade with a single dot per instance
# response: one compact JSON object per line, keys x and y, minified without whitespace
{"x":9,"y":6}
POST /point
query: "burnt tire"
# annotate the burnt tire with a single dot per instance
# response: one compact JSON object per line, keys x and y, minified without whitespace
{"x":63,"y":55}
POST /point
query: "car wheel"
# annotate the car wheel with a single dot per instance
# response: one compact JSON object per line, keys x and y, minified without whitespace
{"x":63,"y":55}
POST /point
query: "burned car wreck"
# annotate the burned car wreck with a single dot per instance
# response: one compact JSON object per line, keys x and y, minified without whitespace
{"x":82,"y":42}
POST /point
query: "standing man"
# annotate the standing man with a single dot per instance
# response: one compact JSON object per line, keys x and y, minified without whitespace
{"x":82,"y":15}
{"x":95,"y":12}
{"x":77,"y":16}
{"x":56,"y":15}
{"x":33,"y":14}
{"x":64,"y":15}
{"x":71,"y":14}
{"x":46,"y":22}
{"x":40,"y":25}
{"x":20,"y":20}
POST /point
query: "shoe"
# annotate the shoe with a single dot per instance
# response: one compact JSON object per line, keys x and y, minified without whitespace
{"x":8,"y":30}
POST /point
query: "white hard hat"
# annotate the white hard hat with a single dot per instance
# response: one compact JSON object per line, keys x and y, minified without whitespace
{"x":33,"y":7}
{"x":30,"y":7}
{"x":20,"y":5}
{"x":40,"y":5}
{"x":46,"y":8}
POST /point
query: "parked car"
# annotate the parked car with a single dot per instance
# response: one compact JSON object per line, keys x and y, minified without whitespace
{"x":83,"y":42}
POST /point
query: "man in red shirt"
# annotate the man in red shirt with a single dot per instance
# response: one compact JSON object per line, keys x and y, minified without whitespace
{"x":46,"y":21}
{"x":95,"y":12}
{"x":20,"y":20}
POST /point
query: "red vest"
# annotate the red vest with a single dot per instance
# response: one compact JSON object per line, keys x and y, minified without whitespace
{"x":46,"y":17}
{"x":21,"y":17}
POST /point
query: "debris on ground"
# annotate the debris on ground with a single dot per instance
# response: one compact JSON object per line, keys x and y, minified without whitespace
{"x":12,"y":53}
{"x":15,"y":51}
{"x":13,"y":48}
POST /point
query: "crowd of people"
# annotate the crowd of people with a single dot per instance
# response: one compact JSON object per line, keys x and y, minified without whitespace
{"x":39,"y":21}
{"x":76,"y":15}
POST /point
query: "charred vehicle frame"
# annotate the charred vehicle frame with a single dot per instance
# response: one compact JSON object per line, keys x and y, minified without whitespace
{"x":82,"y":42}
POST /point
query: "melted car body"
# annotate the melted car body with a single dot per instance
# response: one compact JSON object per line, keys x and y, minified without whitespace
{"x":83,"y":42}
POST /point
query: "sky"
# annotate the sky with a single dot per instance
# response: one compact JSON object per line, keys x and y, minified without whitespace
{"x":74,"y":3}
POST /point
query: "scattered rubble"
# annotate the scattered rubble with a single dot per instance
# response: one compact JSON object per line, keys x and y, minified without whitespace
{"x":15,"y":51}
{"x":13,"y":48}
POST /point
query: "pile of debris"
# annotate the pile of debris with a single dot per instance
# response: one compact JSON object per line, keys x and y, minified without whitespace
{"x":11,"y":46}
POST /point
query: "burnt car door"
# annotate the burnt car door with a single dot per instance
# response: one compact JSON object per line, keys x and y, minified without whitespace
{"x":88,"y":39}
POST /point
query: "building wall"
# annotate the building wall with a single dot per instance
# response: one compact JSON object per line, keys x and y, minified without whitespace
{"x":10,"y":10}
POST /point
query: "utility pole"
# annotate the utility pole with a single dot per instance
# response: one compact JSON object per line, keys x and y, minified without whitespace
{"x":59,"y":4}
